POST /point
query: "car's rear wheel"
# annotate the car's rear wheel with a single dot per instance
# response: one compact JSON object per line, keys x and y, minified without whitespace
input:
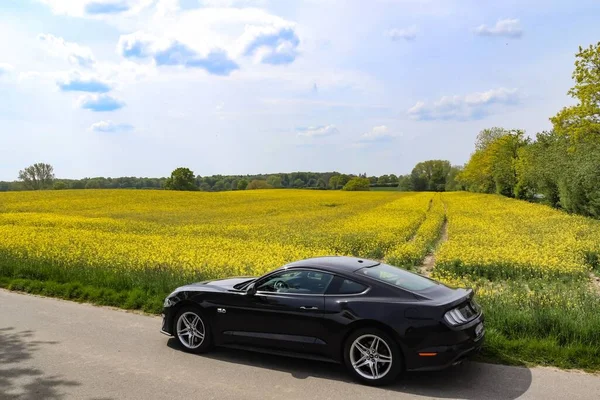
{"x":372,"y":357}
{"x":192,"y":330}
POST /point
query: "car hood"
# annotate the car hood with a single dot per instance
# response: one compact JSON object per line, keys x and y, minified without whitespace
{"x":217,"y":285}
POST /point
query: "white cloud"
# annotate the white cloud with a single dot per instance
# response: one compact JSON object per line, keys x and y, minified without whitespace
{"x":100,"y":103}
{"x":465,"y":107}
{"x":6,"y":68}
{"x":504,"y":27}
{"x":77,"y":82}
{"x":270,"y":44}
{"x":138,"y":44}
{"x":72,"y":52}
{"x":318,"y":131}
{"x":378,"y":134}
{"x":233,"y":33}
{"x":110,"y":127}
{"x":409,"y":33}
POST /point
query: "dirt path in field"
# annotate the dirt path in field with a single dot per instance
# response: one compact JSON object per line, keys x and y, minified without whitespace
{"x":429,"y":260}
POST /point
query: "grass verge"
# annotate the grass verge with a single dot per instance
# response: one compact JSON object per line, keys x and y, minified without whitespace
{"x":133,"y":299}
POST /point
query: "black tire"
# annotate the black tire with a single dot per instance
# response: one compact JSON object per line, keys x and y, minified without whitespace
{"x":197,"y":345}
{"x":397,"y":360}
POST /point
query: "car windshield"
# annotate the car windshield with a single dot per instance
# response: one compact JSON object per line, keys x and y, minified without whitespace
{"x":242,"y":285}
{"x":397,"y":277}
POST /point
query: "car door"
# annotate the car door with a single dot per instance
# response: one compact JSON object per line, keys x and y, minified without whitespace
{"x":286,"y":312}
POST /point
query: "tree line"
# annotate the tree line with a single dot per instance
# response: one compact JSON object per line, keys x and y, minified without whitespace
{"x":40,"y":176}
{"x":560,"y":167}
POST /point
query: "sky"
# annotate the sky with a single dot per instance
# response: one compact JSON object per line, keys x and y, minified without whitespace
{"x":141,"y":87}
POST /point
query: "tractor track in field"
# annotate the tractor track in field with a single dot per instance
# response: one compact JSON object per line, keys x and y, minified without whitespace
{"x":429,"y":261}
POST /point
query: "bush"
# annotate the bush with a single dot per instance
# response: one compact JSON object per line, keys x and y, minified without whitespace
{"x":59,"y":185}
{"x":356,"y":184}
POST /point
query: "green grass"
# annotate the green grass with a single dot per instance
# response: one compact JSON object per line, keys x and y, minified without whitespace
{"x":541,"y":322}
{"x":134,"y":299}
{"x":150,"y":280}
{"x":531,"y":352}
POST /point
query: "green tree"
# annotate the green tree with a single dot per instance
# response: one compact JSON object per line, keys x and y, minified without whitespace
{"x":258,"y":184}
{"x":488,"y":136}
{"x":334,"y":182}
{"x":37,"y":176}
{"x":298,"y":183}
{"x":181,"y":179}
{"x":581,"y":122}
{"x":476,"y":175}
{"x":344,"y":179}
{"x":59,"y":185}
{"x":357,"y":184}
{"x":383,"y":180}
{"x":219,"y":186}
{"x":405,"y":183}
{"x":95,"y":183}
{"x":274,"y":181}
{"x":451,"y":183}
{"x":242,"y":184}
{"x":430,"y":175}
{"x":505,"y":155}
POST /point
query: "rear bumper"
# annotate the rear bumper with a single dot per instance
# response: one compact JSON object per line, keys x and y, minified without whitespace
{"x":446,"y":356}
{"x":433,"y":358}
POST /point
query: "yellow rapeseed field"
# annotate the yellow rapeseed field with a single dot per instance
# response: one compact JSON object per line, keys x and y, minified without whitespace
{"x":196,"y":234}
{"x":200,"y":235}
{"x":494,"y":236}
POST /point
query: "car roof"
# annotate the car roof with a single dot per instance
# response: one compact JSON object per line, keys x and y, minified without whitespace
{"x":334,"y":263}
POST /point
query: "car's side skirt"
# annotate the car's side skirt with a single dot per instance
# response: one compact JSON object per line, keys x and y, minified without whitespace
{"x":284,"y":353}
{"x":276,"y":336}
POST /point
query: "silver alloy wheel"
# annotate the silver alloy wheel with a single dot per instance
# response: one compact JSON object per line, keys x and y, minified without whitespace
{"x":190,"y":330}
{"x":371,"y":357}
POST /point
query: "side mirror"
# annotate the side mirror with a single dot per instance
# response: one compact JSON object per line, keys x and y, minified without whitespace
{"x":251,"y":290}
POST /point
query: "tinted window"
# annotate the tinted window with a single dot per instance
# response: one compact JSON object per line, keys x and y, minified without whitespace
{"x":345,"y":286}
{"x":397,"y":277}
{"x":301,"y":282}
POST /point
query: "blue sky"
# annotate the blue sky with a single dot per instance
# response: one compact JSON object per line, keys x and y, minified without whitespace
{"x":140,"y":87}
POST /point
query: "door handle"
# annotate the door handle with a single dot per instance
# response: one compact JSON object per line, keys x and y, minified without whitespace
{"x":309,"y":308}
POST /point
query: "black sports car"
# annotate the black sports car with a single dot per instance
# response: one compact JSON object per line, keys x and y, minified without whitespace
{"x":376,"y":319}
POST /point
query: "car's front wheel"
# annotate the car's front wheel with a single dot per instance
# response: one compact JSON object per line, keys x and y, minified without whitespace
{"x":372,"y":357}
{"x":192,"y":330}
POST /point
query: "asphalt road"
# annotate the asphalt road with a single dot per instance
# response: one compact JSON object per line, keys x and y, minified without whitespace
{"x":54,"y":349}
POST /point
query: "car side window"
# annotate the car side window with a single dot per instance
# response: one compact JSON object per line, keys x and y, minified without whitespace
{"x":296,"y":282}
{"x":341,"y":285}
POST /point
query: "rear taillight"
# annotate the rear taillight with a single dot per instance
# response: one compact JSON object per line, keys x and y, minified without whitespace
{"x":462,"y":314}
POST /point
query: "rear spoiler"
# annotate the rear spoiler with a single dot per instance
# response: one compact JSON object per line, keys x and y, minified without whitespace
{"x":458,"y":297}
